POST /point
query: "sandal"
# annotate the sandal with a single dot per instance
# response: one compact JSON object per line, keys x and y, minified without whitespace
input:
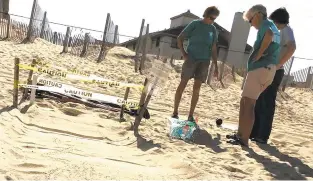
{"x":232,"y":136}
{"x":237,"y":142}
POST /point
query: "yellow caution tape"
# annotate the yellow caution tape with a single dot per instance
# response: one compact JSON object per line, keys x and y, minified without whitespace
{"x":65,"y":74}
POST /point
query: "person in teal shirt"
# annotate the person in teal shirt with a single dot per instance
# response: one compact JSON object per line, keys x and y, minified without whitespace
{"x":261,"y":68}
{"x":202,"y":38}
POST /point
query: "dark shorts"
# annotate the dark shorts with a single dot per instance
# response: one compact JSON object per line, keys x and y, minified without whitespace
{"x":195,"y":69}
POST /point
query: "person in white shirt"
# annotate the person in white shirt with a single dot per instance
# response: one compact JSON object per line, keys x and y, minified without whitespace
{"x":265,"y":105}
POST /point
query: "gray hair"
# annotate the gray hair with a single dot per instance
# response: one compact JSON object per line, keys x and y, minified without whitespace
{"x":259,"y":8}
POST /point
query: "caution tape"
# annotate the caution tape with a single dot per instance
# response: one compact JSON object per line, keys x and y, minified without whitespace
{"x":73,"y":71}
{"x":90,"y":79}
{"x":69,"y":90}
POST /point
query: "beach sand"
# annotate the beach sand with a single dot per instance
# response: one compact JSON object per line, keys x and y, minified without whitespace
{"x":52,"y":140}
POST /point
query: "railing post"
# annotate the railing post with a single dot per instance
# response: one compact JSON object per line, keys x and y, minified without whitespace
{"x":43,"y":24}
{"x":66,"y":40}
{"x":138,"y":45}
{"x":31,"y":22}
{"x":144,"y":51}
{"x":286,"y":82}
{"x":115,"y":35}
{"x":8,"y":27}
{"x":308,"y":79}
{"x":86,"y":41}
{"x":101,"y":54}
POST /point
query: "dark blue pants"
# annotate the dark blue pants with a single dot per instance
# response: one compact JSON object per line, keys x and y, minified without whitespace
{"x":265,"y":109}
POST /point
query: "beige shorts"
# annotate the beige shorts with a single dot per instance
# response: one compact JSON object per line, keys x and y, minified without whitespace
{"x":257,"y":81}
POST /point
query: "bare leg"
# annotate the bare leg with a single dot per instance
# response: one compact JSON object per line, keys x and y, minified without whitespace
{"x":195,"y":96}
{"x":241,"y":111}
{"x":246,"y":119}
{"x":179,"y":92}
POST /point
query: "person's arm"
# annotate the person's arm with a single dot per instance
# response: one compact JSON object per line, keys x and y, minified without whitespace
{"x":214,"y":48}
{"x":186,"y":33}
{"x":291,"y":48}
{"x":287,"y":34}
{"x":214,"y":54}
{"x":268,"y":37}
{"x":180,"y":44}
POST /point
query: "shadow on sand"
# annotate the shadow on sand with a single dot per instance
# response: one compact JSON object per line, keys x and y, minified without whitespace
{"x":202,"y":137}
{"x":145,"y":145}
{"x":291,"y":169}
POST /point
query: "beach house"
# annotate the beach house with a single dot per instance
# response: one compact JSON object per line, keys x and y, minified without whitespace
{"x":232,"y":46}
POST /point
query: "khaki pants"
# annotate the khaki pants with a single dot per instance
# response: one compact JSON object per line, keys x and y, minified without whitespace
{"x":257,"y":81}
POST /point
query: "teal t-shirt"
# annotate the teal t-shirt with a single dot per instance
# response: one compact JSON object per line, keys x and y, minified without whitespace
{"x":200,"y":37}
{"x":271,"y":54}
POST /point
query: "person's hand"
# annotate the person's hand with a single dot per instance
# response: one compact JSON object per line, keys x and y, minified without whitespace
{"x":256,"y":58}
{"x":278,"y":66}
{"x":185,"y":56}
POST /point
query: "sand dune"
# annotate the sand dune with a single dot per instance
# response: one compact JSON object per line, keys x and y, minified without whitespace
{"x":55,"y":140}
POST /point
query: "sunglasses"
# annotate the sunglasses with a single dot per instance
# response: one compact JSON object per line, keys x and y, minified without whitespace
{"x":211,"y":18}
{"x":250,"y":20}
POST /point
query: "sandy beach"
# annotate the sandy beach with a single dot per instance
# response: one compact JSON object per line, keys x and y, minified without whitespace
{"x":55,"y":141}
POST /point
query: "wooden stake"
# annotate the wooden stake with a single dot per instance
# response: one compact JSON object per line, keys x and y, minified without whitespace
{"x":123,"y":106}
{"x":29,"y":80}
{"x":143,"y":108}
{"x":16,"y":80}
{"x":144,"y":93}
{"x":33,"y":91}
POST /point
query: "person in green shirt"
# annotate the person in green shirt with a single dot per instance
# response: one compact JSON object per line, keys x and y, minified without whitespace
{"x":202,"y":38}
{"x":261,"y":68}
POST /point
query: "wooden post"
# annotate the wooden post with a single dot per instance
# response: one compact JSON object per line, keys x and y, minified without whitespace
{"x":31,"y":22}
{"x":172,"y":61}
{"x":16,"y":80}
{"x":8,"y":27}
{"x":308,"y":78}
{"x":101,"y":54}
{"x":115,"y":35}
{"x":29,"y":79}
{"x":33,"y":91}
{"x":144,"y":93}
{"x":143,"y":108}
{"x":86,"y":41}
{"x":123,"y":106}
{"x":288,"y":75}
{"x":55,"y":37}
{"x":66,"y":40}
{"x":43,"y":24}
{"x":158,"y":56}
{"x":138,"y":45}
{"x":144,"y":51}
{"x":233,"y":73}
